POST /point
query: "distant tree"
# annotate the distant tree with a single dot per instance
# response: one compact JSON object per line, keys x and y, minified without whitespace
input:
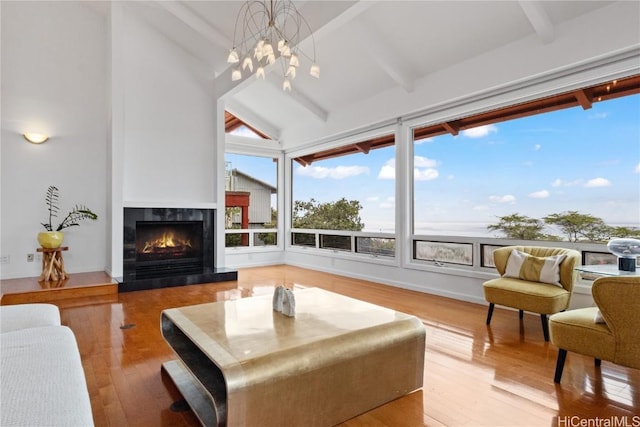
{"x":625,"y":232}
{"x":579,"y":226}
{"x":520,"y":227}
{"x":270,"y":239}
{"x":339,"y":215}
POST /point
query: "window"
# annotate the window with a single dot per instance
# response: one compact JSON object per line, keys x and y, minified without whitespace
{"x":528,"y":178}
{"x":353,"y":192}
{"x":251,"y":197}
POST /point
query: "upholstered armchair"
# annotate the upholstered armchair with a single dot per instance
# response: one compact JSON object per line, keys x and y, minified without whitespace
{"x":534,"y":279}
{"x":606,"y":332}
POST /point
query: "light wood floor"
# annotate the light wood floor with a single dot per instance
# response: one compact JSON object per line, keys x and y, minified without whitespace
{"x":474,"y":375}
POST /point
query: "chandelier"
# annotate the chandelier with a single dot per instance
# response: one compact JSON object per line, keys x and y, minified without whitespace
{"x":270,"y":32}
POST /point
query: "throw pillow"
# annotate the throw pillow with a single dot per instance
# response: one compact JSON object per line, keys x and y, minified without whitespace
{"x":598,"y":318}
{"x":523,"y":266}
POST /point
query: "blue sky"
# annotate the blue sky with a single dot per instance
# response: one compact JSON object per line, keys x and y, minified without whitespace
{"x":573,"y":159}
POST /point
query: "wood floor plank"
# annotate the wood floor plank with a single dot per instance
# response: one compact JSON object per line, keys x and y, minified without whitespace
{"x":475,"y":375}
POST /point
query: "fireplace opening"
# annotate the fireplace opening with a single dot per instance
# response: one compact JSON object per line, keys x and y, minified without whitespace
{"x":168,"y":247}
{"x":160,"y":241}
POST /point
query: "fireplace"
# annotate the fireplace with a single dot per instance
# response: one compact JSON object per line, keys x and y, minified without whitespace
{"x":169,"y":247}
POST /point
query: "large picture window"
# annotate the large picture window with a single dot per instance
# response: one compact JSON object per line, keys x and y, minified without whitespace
{"x":350,"y":192}
{"x":570,"y":175}
{"x":354,"y":192}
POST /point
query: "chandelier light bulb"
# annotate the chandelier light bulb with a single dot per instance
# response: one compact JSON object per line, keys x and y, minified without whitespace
{"x":236,"y":75}
{"x":294,"y":62}
{"x":291,"y":72}
{"x":283,"y":48}
{"x":233,"y":56}
{"x":286,"y":85}
{"x":271,"y":59}
{"x":260,"y":73}
{"x":259,"y":50}
{"x":315,"y":71}
{"x":247,"y":63}
{"x":267,"y":49}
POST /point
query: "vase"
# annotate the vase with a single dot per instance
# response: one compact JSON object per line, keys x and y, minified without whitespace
{"x":50,"y":239}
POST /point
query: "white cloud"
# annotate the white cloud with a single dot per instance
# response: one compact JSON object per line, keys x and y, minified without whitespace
{"x":480,"y":131}
{"x":427,"y":174}
{"x":537,"y":147}
{"x":373,"y":199}
{"x":598,"y":182}
{"x":480,"y":208}
{"x":424,"y":169}
{"x":599,"y":116}
{"x":542,"y":194}
{"x":507,"y":198}
{"x":339,"y":172}
{"x":424,"y":162}
{"x":423,"y":140}
{"x":451,"y":177}
{"x":561,"y":183}
{"x":637,"y":168}
{"x":387,"y":172}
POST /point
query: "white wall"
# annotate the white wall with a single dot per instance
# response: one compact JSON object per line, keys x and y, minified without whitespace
{"x":53,"y":81}
{"x":170,"y":113}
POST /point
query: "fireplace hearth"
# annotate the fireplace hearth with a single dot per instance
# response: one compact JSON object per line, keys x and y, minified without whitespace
{"x":169,"y":247}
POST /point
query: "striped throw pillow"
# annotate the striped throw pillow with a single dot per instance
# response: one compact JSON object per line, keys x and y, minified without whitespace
{"x":523,"y":266}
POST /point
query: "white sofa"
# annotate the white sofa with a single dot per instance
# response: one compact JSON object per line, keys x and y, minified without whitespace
{"x":42,"y":382}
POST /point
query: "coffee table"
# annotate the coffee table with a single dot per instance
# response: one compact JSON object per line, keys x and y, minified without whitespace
{"x":606,"y":270}
{"x":242,"y":364}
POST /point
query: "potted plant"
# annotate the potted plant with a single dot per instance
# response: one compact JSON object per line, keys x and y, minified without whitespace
{"x":52,"y":238}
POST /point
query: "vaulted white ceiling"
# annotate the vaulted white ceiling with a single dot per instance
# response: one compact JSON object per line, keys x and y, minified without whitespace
{"x":366,"y":48}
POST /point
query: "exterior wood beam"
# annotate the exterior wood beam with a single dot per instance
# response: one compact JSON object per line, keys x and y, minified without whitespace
{"x":451,"y":127}
{"x":363,"y":147}
{"x":584,"y":99}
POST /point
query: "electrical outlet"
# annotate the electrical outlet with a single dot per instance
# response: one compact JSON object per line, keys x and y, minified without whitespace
{"x":5,"y":259}
{"x":29,"y":257}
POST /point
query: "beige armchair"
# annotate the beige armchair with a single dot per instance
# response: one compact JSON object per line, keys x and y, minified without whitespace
{"x":529,"y":295}
{"x":615,"y":338}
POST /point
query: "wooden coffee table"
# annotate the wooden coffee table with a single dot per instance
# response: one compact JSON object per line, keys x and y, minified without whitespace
{"x":242,"y":364}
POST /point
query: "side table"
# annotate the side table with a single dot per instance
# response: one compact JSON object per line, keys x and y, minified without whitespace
{"x":52,"y":264}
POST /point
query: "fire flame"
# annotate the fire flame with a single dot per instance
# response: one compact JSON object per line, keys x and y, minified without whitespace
{"x":166,"y":241}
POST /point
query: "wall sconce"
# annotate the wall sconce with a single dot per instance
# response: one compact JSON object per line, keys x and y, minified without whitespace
{"x":35,"y":138}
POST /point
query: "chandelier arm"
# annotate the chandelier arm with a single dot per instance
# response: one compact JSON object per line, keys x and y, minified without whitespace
{"x":313,"y":40}
{"x":250,"y":22}
{"x":279,"y":24}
